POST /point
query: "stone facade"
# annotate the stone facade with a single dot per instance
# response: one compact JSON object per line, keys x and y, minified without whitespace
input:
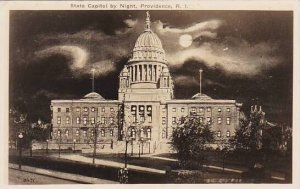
{"x":146,"y":110}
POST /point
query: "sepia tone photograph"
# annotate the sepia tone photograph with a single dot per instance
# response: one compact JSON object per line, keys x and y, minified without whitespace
{"x":150,"y":97}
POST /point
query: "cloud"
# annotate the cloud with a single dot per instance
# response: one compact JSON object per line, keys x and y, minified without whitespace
{"x":192,"y":81}
{"x":198,"y":27}
{"x":130,"y":22}
{"x":184,"y":80}
{"x":243,"y":59}
{"x":78,"y":55}
{"x":91,"y":48}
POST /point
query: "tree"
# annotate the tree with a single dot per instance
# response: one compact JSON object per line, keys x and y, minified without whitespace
{"x":256,"y":136}
{"x":249,"y":135}
{"x":190,"y":139}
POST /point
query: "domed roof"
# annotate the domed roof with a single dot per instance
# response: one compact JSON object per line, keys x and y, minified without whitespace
{"x":148,"y":46}
{"x":201,"y":96}
{"x":148,"y":40}
{"x":93,"y":96}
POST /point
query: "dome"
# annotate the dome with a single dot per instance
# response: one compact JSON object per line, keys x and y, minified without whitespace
{"x":148,"y":46}
{"x":202,"y":96}
{"x":93,"y":96}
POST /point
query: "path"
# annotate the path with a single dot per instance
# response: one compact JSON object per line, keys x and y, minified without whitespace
{"x":33,"y":175}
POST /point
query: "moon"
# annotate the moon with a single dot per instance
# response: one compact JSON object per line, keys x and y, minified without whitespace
{"x":185,"y":40}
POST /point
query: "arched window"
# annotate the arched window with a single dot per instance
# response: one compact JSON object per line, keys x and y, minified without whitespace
{"x":163,"y":133}
{"x":102,"y":133}
{"x":228,"y":133}
{"x":133,"y":134}
{"x":142,"y":133}
{"x":149,"y":133}
{"x":165,"y":82}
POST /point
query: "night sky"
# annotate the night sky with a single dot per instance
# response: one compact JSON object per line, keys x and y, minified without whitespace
{"x":245,"y":55}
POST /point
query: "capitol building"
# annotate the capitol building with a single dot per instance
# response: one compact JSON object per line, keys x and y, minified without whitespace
{"x":146,"y":110}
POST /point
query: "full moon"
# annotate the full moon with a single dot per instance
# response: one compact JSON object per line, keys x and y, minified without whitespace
{"x":185,"y":40}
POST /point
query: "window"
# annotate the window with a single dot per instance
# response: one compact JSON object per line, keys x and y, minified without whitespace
{"x":77,"y":132}
{"x":111,"y":119}
{"x":149,"y":133}
{"x":111,"y":132}
{"x":67,"y":132}
{"x":102,"y":133}
{"x":174,"y":109}
{"x":93,"y":109}
{"x":163,"y":109}
{"x":219,"y":109}
{"x":200,"y":109}
{"x":133,"y":134}
{"x":208,"y":120}
{"x":142,"y":119}
{"x":77,"y":120}
{"x":85,"y":120}
{"x":173,"y":120}
{"x":58,"y":109}
{"x":163,"y":133}
{"x":201,"y":119}
{"x":77,"y":109}
{"x":193,"y":110}
{"x":58,"y":120}
{"x":58,"y":133}
{"x":149,"y":108}
{"x":228,"y":120}
{"x":92,"y":120}
{"x":150,"y":119}
{"x":163,"y":120}
{"x":142,"y":133}
{"x":219,"y":120}
{"x":182,"y":109}
{"x":228,"y":109}
{"x":134,"y":119}
{"x":111,"y":109}
{"x":141,"y":108}
{"x":67,"y":120}
{"x":85,"y":109}
{"x":208,"y":109}
{"x":67,"y":110}
{"x":133,"y":113}
{"x":84,"y":133}
{"x":103,"y":109}
{"x":102,"y":120}
{"x":219,"y":134}
{"x":228,"y":133}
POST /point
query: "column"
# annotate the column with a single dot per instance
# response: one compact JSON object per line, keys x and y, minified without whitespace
{"x":145,"y":72}
{"x":130,"y":73}
{"x":152,"y":74}
{"x":155,"y":72}
{"x":149,"y":73}
{"x":138,"y":73}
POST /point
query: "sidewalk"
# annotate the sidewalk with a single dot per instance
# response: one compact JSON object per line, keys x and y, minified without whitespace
{"x":275,"y":175}
{"x":75,"y":157}
{"x":62,"y":175}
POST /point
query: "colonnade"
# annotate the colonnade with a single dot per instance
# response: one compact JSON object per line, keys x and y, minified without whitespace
{"x":144,"y":72}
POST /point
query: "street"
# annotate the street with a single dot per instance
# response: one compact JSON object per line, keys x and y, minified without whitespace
{"x":23,"y":177}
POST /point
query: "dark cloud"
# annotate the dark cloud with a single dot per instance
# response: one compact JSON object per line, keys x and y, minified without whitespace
{"x":245,"y":55}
